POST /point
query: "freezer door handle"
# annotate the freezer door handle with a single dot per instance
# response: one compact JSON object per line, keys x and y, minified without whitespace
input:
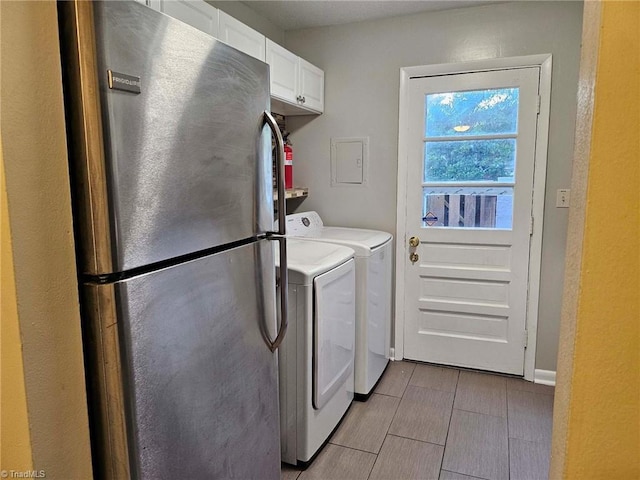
{"x":281,"y":205}
{"x":283,"y":281}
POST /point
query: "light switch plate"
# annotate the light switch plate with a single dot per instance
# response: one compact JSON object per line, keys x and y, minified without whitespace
{"x":563,"y":197}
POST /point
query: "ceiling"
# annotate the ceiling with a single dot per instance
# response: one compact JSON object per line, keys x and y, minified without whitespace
{"x":297,"y":14}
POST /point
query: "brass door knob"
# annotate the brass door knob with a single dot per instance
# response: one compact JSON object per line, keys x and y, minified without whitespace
{"x":414,"y":242}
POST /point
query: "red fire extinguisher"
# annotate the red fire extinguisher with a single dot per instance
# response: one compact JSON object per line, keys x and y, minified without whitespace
{"x":288,"y":164}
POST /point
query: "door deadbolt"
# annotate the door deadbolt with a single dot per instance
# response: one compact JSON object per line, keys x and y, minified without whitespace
{"x":414,"y":257}
{"x":414,"y":242}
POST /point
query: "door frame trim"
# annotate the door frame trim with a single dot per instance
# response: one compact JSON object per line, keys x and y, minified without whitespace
{"x":544,"y":62}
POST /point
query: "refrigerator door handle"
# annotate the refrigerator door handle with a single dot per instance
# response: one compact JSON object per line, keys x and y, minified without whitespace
{"x":282,"y":214}
{"x":283,"y":281}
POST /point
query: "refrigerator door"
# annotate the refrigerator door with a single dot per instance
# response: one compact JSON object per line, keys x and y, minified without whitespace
{"x":186,"y":154}
{"x":195,"y":367}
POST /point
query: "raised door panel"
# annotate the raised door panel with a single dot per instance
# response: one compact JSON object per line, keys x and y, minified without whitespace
{"x":311,"y":86}
{"x":196,"y":13}
{"x":284,"y":72}
{"x":242,"y":37}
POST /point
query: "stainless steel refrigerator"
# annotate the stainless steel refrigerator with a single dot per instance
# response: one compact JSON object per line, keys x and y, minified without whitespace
{"x":170,"y":145}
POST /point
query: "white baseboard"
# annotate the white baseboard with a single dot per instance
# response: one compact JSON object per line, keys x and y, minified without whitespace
{"x":545,"y":377}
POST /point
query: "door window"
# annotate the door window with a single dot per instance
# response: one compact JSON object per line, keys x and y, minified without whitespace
{"x":470,"y":146}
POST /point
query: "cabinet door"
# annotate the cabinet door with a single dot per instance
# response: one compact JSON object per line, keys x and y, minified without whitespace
{"x":311,"y":86}
{"x":284,"y":72}
{"x":240,"y":36}
{"x":197,"y":13}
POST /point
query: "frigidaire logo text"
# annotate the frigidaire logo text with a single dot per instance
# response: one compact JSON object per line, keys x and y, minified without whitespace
{"x":122,"y":81}
{"x":126,"y":81}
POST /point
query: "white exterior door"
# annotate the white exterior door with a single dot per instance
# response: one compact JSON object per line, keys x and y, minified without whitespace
{"x":470,"y":170}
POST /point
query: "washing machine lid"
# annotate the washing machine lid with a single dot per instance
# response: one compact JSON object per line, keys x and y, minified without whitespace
{"x":361,"y":240}
{"x":308,"y":259}
{"x":309,"y":225}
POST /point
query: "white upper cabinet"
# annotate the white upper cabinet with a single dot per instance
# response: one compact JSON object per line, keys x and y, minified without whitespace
{"x":297,"y":87}
{"x":197,"y":13}
{"x":310,"y":85}
{"x":284,"y":72}
{"x":238,"y":35}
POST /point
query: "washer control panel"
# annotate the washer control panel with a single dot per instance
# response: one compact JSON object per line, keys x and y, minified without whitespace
{"x":304,"y":224}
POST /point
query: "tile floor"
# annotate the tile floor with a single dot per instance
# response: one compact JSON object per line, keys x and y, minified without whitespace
{"x":429,"y":422}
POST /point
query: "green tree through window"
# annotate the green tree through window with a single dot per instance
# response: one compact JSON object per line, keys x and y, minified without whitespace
{"x":457,"y":115}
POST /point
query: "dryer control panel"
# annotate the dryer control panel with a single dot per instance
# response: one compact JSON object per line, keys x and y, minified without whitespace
{"x":304,"y":224}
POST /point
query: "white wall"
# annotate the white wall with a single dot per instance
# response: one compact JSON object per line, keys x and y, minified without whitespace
{"x":361,"y":63}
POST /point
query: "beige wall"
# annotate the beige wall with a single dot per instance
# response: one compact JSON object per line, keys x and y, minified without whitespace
{"x":37,"y":182}
{"x":15,"y":441}
{"x":362,"y":62}
{"x":597,"y":406}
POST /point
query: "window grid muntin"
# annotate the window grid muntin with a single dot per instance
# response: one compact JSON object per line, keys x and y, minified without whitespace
{"x":474,"y":184}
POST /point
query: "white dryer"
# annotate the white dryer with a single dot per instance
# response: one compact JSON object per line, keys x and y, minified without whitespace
{"x":374,"y":250}
{"x":316,"y":358}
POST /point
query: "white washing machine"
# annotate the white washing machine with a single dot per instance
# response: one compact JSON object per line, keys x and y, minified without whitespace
{"x":316,"y":358}
{"x":374,"y":250}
